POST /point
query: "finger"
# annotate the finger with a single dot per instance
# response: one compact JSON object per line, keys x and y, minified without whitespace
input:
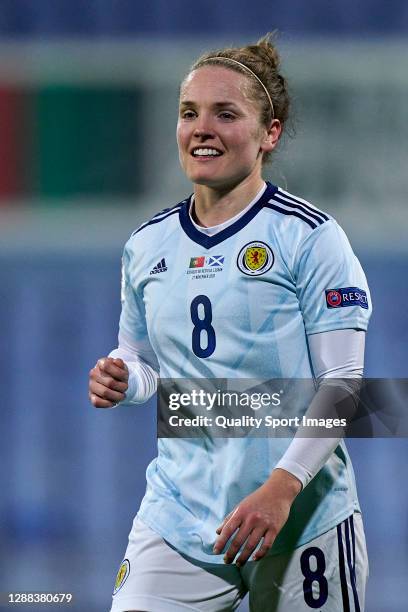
{"x":237,"y":542}
{"x":219,"y":529}
{"x":99,"y":402}
{"x":105,"y":393}
{"x":119,"y":362}
{"x":108,"y":381}
{"x":269,"y":539}
{"x":252,"y":542}
{"x":110,"y":366}
{"x":113,"y":367}
{"x":229,"y":528}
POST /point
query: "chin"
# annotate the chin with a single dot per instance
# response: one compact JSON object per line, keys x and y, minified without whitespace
{"x":216,"y":182}
{"x":204,"y":180}
{"x":210,"y":178}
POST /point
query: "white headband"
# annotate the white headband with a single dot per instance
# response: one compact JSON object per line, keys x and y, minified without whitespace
{"x":229,"y":59}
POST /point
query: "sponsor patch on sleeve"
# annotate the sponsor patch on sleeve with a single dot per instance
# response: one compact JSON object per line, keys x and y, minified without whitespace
{"x":346,"y":296}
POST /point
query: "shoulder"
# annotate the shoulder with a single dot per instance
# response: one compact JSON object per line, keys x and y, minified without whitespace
{"x":156,"y":227}
{"x":295,"y":212}
{"x":163,"y":217}
{"x":300,"y":229}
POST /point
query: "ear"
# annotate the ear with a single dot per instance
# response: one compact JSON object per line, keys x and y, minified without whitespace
{"x":272,"y":136}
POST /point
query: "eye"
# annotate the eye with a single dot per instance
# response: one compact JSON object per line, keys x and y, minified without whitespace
{"x":227,"y":115}
{"x":188,"y":114}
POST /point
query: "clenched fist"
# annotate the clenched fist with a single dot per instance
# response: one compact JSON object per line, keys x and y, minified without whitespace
{"x":108,"y":382}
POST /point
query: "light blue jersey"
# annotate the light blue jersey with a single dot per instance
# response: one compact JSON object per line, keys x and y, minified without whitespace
{"x":239,"y":304}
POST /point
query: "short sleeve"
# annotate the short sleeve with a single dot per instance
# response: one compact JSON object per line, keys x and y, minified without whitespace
{"x":331,"y":285}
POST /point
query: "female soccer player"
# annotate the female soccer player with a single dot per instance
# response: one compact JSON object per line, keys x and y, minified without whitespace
{"x":240,"y":280}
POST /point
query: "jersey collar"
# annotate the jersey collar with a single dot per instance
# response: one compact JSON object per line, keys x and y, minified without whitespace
{"x":210,"y":241}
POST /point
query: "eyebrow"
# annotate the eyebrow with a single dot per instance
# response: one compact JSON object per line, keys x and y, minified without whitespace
{"x":216,"y":104}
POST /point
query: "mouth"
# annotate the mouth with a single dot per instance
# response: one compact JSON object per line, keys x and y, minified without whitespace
{"x":205,"y":152}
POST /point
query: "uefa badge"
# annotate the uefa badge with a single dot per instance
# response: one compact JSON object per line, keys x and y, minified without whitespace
{"x":255,"y":258}
{"x":122,"y":575}
{"x":333,"y":298}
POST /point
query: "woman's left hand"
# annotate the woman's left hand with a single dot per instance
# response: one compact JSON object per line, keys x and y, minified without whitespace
{"x":260,"y":515}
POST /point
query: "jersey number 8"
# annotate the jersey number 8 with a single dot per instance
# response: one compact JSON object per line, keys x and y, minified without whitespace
{"x":202,"y":330}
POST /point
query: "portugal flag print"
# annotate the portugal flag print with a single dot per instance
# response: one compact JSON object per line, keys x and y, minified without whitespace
{"x":197,"y":262}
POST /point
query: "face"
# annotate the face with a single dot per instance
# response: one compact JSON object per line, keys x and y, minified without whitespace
{"x":219,"y":134}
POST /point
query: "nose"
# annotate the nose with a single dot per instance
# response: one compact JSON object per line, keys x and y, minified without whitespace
{"x":203,"y":129}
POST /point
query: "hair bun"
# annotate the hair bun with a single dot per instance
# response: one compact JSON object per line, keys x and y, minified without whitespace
{"x":266,"y":51}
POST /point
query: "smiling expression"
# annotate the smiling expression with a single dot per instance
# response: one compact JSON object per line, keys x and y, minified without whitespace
{"x":219,"y":134}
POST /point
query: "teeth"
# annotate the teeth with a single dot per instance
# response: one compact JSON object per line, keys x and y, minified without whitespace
{"x":205,"y":152}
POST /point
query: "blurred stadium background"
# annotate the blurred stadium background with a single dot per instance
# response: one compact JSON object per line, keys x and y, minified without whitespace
{"x":88,"y":107}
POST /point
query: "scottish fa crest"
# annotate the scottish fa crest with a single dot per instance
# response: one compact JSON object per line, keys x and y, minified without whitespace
{"x":255,"y":258}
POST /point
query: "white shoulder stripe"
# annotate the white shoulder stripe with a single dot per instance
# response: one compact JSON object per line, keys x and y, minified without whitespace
{"x":167,"y":210}
{"x":276,"y":205}
{"x":290,"y":205}
{"x":295,"y":199}
{"x":159,"y":217}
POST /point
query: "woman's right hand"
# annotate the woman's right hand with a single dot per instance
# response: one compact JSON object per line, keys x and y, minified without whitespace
{"x":108,"y":382}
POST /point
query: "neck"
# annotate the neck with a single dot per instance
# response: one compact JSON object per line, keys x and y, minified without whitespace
{"x":213,"y":206}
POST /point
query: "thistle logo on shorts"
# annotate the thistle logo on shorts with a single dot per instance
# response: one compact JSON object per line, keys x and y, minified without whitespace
{"x":346,"y":296}
{"x":255,"y":258}
{"x":122,"y":575}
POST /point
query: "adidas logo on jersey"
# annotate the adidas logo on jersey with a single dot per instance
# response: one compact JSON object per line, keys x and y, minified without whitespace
{"x":159,"y":267}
